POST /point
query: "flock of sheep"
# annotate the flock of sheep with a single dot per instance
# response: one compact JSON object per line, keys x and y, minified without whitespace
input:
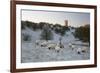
{"x":51,"y":45}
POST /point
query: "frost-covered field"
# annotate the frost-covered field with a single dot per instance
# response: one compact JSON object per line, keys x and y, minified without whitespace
{"x":30,"y":52}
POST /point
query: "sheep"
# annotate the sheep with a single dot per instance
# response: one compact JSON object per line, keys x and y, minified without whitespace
{"x":78,"y":50}
{"x":61,"y":45}
{"x":40,"y":42}
{"x":58,"y":47}
{"x":71,"y":46}
{"x":43,"y":44}
{"x":51,"y":46}
{"x":37,"y":42}
{"x":84,"y":50}
{"x":54,"y":46}
{"x":81,"y":50}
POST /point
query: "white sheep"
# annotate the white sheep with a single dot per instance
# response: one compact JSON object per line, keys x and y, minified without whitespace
{"x":51,"y":45}
{"x":57,"y":48}
{"x":43,"y":44}
{"x":71,"y":46}
{"x":40,"y":42}
{"x":84,"y":50}
{"x":37,"y":42}
{"x":81,"y":50}
{"x":54,"y":46}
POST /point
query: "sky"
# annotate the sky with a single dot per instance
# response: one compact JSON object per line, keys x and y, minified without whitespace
{"x":75,"y":19}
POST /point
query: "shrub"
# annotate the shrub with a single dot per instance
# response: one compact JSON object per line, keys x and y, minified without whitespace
{"x":83,"y":33}
{"x":46,"y":33}
{"x":23,"y":25}
{"x":41,"y":25}
{"x":26,"y":37}
{"x":29,"y":24}
{"x":34,"y":26}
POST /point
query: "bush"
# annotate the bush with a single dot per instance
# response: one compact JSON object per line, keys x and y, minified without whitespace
{"x":65,"y":28}
{"x":29,"y":24}
{"x":83,"y":33}
{"x":23,"y":25}
{"x":46,"y":33}
{"x":41,"y":25}
{"x":34,"y":26}
{"x":26,"y":37}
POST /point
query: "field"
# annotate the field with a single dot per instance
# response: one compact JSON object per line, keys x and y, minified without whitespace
{"x":30,"y":52}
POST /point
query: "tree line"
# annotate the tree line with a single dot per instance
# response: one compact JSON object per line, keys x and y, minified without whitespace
{"x":46,"y":28}
{"x":82,"y":32}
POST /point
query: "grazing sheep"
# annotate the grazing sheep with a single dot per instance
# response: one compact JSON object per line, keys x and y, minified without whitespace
{"x":40,"y":42}
{"x":81,"y":50}
{"x":57,"y":48}
{"x":61,"y":45}
{"x":51,"y":46}
{"x":71,"y":46}
{"x":43,"y":44}
{"x":54,"y":46}
{"x":37,"y":42}
{"x":84,"y":50}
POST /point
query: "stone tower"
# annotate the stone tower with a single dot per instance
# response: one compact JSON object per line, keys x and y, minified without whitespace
{"x":66,"y":23}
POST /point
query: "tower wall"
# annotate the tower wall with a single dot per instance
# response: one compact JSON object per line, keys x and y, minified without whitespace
{"x":66,"y":23}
